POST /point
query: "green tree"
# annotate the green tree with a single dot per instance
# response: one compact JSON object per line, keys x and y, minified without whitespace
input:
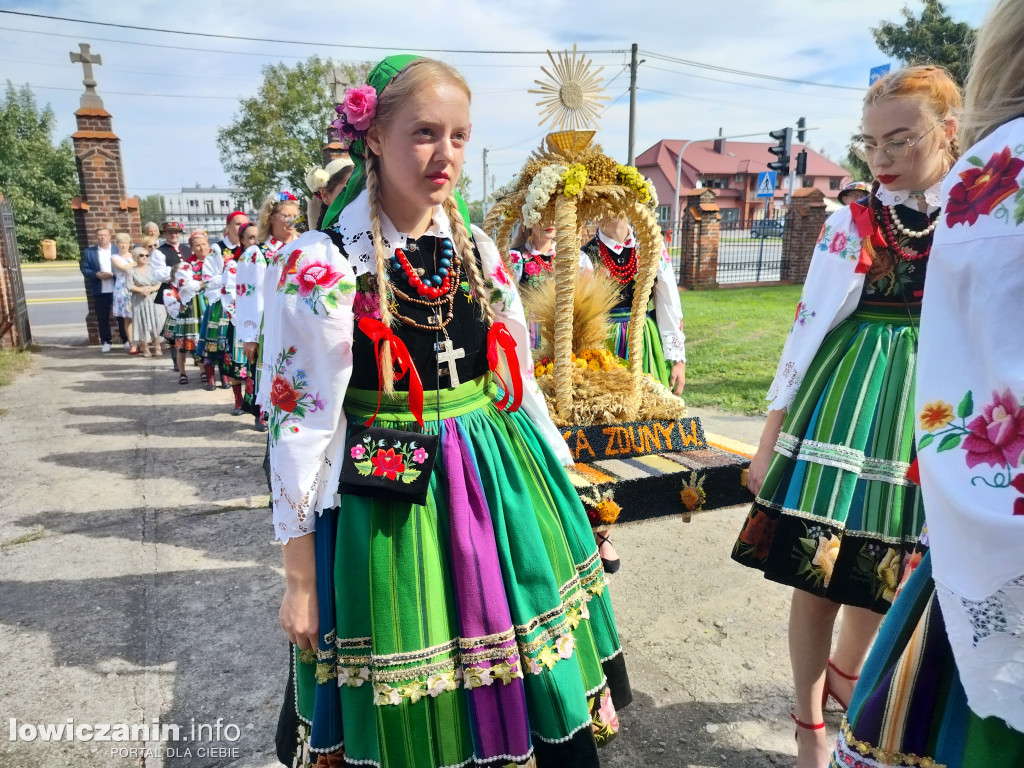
{"x":931,"y":38}
{"x":151,"y":208}
{"x":279,"y":132}
{"x":37,"y":176}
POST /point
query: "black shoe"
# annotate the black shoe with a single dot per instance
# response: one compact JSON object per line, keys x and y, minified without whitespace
{"x":209,"y":387}
{"x":260,"y":426}
{"x":236,"y":412}
{"x":610,"y":566}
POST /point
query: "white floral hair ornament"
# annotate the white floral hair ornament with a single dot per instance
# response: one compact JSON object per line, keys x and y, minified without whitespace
{"x":317,"y":177}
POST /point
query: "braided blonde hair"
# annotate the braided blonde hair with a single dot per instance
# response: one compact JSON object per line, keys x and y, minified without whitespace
{"x":464,"y":247}
{"x":381,"y":256}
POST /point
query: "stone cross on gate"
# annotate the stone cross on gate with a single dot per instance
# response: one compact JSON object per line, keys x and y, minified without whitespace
{"x":90,"y":99}
{"x":337,"y":81}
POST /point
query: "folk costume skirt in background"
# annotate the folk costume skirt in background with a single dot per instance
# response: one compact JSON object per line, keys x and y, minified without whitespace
{"x":909,"y":707}
{"x":210,"y":330}
{"x":185,"y":328}
{"x":654,"y":358}
{"x":473,"y":630}
{"x":836,"y":515}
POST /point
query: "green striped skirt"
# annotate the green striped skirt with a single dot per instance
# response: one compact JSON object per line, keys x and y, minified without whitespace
{"x":836,"y":515}
{"x":474,"y":629}
{"x":653,"y":356}
{"x":909,"y":707}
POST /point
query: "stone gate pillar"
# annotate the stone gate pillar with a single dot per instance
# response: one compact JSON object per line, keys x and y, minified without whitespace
{"x":698,"y":254}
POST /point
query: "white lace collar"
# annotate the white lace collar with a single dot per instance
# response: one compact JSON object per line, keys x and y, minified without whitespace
{"x":354,"y":227}
{"x":529,"y":250}
{"x":614,"y":245}
{"x":932,"y":196}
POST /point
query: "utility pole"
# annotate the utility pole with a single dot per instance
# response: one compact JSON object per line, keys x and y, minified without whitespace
{"x":483,"y":206}
{"x":632,"y":105}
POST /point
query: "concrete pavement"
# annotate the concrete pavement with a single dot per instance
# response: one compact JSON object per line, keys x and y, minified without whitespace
{"x":138,"y":580}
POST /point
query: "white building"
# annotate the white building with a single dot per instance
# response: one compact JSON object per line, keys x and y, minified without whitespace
{"x":205,"y":207}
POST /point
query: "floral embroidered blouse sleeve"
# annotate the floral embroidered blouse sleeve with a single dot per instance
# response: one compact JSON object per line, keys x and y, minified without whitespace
{"x":831,"y":293}
{"x":252,"y":266}
{"x":970,"y":405}
{"x":188,"y":281}
{"x":310,"y":365}
{"x":508,"y":309}
{"x":669,"y":311}
{"x":213,"y":276}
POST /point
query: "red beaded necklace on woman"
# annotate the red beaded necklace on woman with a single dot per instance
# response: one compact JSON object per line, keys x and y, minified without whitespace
{"x":888,"y":225}
{"x":621,"y":273}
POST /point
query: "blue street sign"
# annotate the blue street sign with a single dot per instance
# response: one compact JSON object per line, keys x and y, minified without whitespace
{"x":877,"y":73}
{"x":766,"y":184}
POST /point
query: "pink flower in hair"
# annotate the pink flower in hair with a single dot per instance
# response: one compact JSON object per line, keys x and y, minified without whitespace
{"x":360,"y":106}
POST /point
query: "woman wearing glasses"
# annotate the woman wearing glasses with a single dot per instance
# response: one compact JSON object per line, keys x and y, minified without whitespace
{"x":835,"y":516}
{"x":275,"y":230}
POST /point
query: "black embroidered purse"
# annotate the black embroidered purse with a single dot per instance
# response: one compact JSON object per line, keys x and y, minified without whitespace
{"x":385,"y":463}
{"x":388,"y":464}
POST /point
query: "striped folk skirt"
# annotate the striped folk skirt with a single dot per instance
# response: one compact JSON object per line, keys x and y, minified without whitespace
{"x":476,"y":629}
{"x":909,"y":708}
{"x":211,"y":331}
{"x":185,"y":328}
{"x":836,"y":515}
{"x":653,"y":355}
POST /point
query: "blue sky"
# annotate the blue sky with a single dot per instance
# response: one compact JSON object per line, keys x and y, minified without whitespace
{"x":168,"y":103}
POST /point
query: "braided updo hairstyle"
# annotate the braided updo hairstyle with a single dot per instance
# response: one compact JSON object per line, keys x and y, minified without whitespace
{"x":939,"y":96}
{"x":414,"y":76}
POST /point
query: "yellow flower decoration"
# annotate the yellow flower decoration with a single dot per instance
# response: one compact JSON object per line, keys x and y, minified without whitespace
{"x":575,"y":178}
{"x":825,"y":556}
{"x":935,"y":415}
{"x":632,"y":178}
{"x":888,"y":573}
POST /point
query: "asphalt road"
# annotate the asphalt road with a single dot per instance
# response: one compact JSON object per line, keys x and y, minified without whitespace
{"x":56,"y":302}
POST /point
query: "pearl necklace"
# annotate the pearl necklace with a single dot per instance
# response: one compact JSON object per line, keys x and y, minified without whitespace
{"x":904,"y":230}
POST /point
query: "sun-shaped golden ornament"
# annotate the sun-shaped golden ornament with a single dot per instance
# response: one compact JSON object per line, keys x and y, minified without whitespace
{"x":572,"y":95}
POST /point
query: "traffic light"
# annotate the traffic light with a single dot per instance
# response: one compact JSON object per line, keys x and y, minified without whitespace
{"x":781,"y":150}
{"x":801,"y":163}
{"x":800,"y":125}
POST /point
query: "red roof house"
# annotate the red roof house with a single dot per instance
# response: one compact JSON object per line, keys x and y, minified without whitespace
{"x":730,"y":169}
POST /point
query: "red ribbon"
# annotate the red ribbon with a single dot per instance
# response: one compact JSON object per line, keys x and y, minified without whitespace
{"x":379,"y":332}
{"x":865,"y":221}
{"x":499,"y":337}
{"x":914,"y":473}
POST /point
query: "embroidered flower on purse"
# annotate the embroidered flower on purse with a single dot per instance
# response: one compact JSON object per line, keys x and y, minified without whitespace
{"x":374,"y":457}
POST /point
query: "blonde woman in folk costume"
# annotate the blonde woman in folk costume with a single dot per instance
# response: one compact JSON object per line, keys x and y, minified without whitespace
{"x":944,"y":684}
{"x":835,"y":515}
{"x":476,"y":627}
{"x":276,"y":228}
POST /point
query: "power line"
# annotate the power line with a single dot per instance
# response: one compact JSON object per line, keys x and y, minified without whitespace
{"x":138,"y":28}
{"x":758,"y":86}
{"x":129,"y":93}
{"x":744,"y":73}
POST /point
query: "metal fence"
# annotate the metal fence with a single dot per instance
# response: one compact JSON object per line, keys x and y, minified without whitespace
{"x":750,"y":250}
{"x":17,"y":314}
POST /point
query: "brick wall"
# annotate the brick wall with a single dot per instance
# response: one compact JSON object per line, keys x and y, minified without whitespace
{"x":103,"y":201}
{"x":698,"y":254}
{"x":804,"y":219}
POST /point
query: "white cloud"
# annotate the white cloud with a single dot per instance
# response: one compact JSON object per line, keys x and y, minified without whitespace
{"x":169,"y":141}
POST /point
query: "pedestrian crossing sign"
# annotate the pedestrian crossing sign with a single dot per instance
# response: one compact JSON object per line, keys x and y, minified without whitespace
{"x":766,"y":184}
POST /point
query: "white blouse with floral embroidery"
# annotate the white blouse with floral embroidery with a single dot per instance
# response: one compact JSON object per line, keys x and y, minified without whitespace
{"x":970,"y":432}
{"x":308,"y":334}
{"x":831,"y":293}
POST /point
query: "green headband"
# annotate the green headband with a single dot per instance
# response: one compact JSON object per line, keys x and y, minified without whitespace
{"x":380,"y":77}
